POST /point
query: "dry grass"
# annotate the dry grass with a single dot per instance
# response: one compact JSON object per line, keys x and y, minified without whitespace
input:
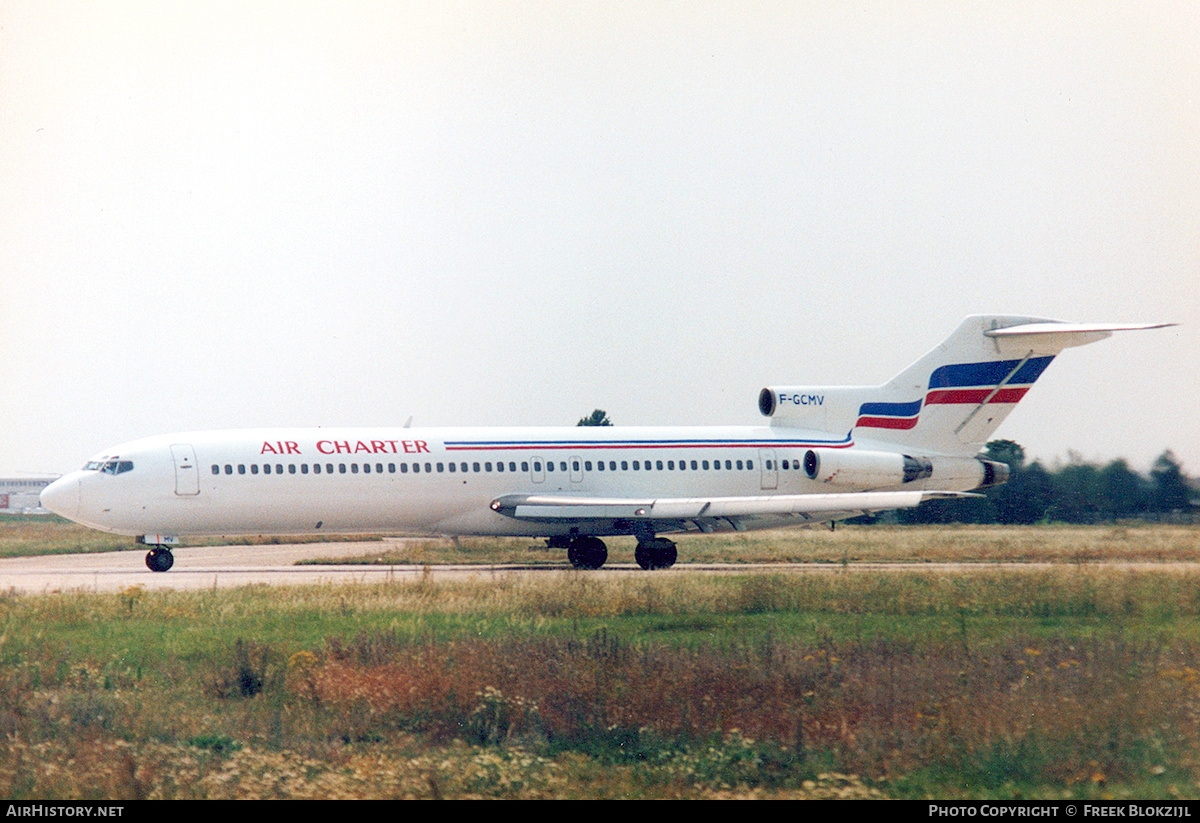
{"x":846,"y":544}
{"x":1079,"y":680}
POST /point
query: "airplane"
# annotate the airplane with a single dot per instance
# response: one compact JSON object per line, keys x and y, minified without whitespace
{"x":825,"y":454}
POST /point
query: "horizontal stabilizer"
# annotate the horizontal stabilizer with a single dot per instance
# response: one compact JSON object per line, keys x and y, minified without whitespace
{"x":1051,"y":337}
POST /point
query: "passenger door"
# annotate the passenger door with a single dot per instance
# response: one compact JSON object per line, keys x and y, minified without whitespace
{"x":187,"y":476}
{"x":769,"y":468}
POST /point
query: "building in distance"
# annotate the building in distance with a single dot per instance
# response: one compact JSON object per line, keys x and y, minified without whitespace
{"x":21,"y":495}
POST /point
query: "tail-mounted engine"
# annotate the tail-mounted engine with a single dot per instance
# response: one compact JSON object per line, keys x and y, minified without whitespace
{"x":851,"y":468}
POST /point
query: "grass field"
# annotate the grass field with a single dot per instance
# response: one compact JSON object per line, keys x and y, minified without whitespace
{"x":1081,"y":680}
{"x":846,"y":544}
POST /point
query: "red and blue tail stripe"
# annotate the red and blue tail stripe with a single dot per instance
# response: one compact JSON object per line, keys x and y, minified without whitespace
{"x":961,"y":383}
{"x":889,"y":415}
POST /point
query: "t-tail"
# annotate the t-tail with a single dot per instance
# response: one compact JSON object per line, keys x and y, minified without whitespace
{"x":951,"y":400}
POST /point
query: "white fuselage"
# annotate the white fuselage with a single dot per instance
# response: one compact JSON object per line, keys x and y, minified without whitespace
{"x":428,"y":481}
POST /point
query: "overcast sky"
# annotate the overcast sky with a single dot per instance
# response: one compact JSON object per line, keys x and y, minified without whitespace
{"x":220,"y":215}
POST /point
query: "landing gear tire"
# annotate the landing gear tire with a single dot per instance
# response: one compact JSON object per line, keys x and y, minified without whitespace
{"x":587,"y":552}
{"x":656,"y":553}
{"x":159,"y":559}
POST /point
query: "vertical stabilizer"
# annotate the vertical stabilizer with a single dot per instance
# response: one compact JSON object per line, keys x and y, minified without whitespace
{"x":951,"y":400}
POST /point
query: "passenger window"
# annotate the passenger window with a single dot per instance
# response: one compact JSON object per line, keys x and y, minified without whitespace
{"x":291,"y":468}
{"x":704,"y":464}
{"x":500,"y":467}
{"x":404,"y":468}
{"x":254,"y":468}
{"x":428,"y":468}
{"x":637,"y":467}
{"x":216,"y":469}
{"x":694,"y":465}
{"x":228,"y":469}
{"x":391,"y":468}
{"x":354,"y":468}
{"x":366,"y":468}
{"x":316,"y":468}
{"x":587,"y":465}
{"x":624,"y":465}
{"x":658,"y":465}
{"x":341,"y":468}
{"x":441,"y":468}
{"x":279,"y":468}
{"x":487,"y":467}
{"x":241,"y":468}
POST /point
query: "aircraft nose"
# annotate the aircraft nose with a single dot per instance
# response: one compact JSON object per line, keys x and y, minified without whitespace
{"x":62,"y":497}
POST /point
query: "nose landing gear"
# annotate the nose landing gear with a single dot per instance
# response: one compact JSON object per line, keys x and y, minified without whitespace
{"x":159,"y":559}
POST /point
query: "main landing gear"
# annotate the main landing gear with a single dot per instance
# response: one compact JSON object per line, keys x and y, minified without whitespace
{"x":587,"y":552}
{"x":159,"y":559}
{"x":655,"y":553}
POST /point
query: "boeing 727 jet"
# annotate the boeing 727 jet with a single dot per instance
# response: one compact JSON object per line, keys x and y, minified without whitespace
{"x":826,"y":453}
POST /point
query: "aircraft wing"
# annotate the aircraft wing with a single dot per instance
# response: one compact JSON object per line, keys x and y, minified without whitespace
{"x":663,"y":511}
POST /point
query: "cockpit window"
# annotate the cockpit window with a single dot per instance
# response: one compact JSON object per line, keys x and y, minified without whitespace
{"x":110,"y":466}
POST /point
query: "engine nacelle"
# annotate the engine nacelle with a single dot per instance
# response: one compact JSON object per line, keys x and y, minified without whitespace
{"x":994,"y":473}
{"x":815,"y":408}
{"x":864,"y":469}
{"x":791,"y":400}
{"x":852,"y":468}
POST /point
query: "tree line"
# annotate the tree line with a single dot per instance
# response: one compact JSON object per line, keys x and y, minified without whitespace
{"x":1077,"y":492}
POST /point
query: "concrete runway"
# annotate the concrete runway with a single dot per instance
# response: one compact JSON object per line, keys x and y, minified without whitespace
{"x":203,"y":567}
{"x":207,"y":567}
